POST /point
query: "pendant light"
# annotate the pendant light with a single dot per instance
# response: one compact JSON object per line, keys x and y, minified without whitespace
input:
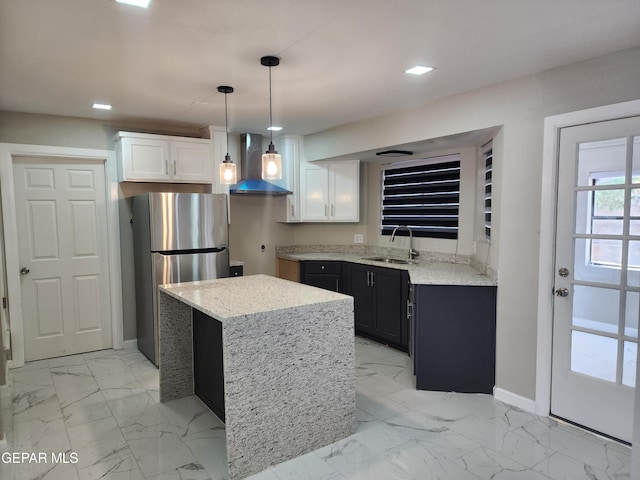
{"x":227,"y":167}
{"x":271,"y":160}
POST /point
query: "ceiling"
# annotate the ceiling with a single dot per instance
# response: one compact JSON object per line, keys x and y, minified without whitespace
{"x":341,"y":60}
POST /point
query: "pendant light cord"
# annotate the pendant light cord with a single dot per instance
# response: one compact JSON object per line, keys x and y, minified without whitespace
{"x":270,"y":113}
{"x":226,"y":123}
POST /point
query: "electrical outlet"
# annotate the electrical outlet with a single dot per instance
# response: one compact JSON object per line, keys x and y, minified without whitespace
{"x":358,"y":238}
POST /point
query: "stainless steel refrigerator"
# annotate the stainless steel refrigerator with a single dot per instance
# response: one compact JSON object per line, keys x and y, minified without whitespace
{"x":177,"y":237}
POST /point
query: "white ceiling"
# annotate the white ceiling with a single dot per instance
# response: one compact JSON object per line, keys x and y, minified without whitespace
{"x":341,"y":60}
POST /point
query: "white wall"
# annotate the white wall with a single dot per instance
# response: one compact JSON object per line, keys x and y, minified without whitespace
{"x":520,"y":107}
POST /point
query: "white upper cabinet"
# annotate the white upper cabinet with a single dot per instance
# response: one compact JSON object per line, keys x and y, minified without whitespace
{"x":291,"y":149}
{"x":330,"y":191}
{"x":344,"y":191}
{"x":162,"y":158}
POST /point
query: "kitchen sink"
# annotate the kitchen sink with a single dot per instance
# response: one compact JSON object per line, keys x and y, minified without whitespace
{"x":387,"y":260}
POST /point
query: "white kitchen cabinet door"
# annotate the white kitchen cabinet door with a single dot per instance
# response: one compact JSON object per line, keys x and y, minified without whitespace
{"x":291,"y":147}
{"x":344,"y":192}
{"x":191,"y":161}
{"x":329,"y":191}
{"x":162,"y":158}
{"x":144,"y":159}
{"x":314,"y":192}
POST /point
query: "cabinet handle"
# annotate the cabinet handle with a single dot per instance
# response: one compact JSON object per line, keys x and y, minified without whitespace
{"x":337,"y":284}
{"x":325,"y":210}
{"x":409,"y":310}
{"x":166,"y":166}
{"x":368,"y":279}
{"x":332,"y":210}
{"x":373,"y":279}
{"x":175,"y":167}
{"x":292,"y":210}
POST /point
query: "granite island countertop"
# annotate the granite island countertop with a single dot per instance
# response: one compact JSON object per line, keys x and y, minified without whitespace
{"x":228,"y":298}
{"x":420,"y":273}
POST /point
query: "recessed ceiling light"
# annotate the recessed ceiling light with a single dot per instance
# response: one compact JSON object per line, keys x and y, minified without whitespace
{"x":418,"y":70}
{"x":102,"y":106}
{"x":136,"y":3}
{"x":275,"y":129}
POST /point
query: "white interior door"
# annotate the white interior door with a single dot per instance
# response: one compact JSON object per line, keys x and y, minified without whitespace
{"x":597,"y":276}
{"x":63,"y":251}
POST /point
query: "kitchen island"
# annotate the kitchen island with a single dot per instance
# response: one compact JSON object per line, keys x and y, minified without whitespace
{"x":288,"y":363}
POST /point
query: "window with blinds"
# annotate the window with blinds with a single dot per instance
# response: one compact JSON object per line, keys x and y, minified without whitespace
{"x":424,"y":195}
{"x":488,"y":183}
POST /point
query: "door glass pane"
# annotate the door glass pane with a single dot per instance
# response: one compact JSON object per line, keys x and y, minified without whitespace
{"x":633,"y":272}
{"x":634,"y":220}
{"x":606,"y":252}
{"x":600,"y":212}
{"x":594,"y":355}
{"x":632,"y":312}
{"x":599,"y":159}
{"x":609,"y":203}
{"x":636,"y":160}
{"x":629,"y":366}
{"x":598,"y":260}
{"x":607,"y":226}
{"x":596,"y":308}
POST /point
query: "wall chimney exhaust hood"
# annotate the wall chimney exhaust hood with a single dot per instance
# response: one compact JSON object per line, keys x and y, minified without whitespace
{"x":251,"y":170}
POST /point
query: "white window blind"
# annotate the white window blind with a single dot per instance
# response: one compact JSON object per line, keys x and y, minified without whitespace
{"x":424,"y":195}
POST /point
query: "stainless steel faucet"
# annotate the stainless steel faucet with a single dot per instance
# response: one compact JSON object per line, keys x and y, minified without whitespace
{"x":412,"y":253}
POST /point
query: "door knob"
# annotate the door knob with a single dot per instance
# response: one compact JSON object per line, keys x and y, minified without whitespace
{"x":24,"y":271}
{"x":562,"y":292}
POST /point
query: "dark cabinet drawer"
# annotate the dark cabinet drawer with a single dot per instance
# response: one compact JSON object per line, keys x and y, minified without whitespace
{"x":327,"y":275}
{"x":314,"y":267}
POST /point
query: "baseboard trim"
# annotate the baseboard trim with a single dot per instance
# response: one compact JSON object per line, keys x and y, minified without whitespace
{"x":514,"y":399}
{"x":130,"y":344}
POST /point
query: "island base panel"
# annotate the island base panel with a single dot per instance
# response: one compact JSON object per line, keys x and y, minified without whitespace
{"x":207,"y":367}
{"x":289,"y":384}
{"x":176,"y":349}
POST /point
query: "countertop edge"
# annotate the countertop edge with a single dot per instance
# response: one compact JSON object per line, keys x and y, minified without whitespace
{"x":176,"y":291}
{"x":428,"y":273}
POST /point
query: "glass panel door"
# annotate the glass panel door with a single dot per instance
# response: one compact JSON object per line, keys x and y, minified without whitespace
{"x":596,"y":306}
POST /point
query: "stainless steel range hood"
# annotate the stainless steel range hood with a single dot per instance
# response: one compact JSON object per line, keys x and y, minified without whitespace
{"x":251,"y":169}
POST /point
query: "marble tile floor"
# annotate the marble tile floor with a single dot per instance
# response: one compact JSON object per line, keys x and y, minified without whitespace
{"x":103,"y":407}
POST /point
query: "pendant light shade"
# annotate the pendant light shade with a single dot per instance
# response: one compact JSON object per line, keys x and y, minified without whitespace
{"x":228,"y":174}
{"x":271,"y":160}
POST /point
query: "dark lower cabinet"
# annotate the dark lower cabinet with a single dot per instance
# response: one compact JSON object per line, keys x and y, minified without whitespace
{"x":454,"y":338}
{"x":380,"y":303}
{"x":327,"y":275}
{"x":207,"y":362}
{"x":236,"y":271}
